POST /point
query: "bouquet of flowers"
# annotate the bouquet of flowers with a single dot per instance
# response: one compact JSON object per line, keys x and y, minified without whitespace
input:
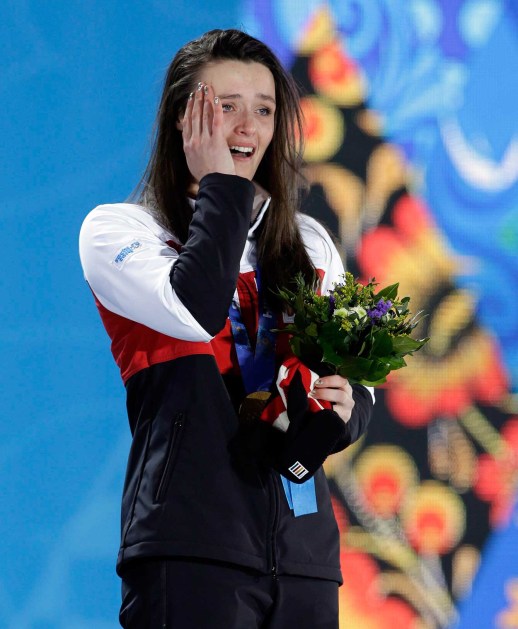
{"x":359,"y":332}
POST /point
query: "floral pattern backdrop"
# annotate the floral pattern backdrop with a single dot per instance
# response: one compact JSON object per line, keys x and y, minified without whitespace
{"x":412,"y":156}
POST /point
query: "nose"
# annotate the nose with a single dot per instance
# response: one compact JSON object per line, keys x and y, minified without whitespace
{"x":245,"y":125}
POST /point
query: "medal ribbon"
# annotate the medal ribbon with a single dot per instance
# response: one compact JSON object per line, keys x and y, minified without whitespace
{"x":258,"y":372}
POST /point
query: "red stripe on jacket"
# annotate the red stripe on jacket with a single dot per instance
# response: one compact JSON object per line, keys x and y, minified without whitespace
{"x":135,"y":346}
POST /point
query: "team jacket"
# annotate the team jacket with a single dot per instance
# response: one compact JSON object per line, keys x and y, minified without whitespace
{"x":189,"y":490}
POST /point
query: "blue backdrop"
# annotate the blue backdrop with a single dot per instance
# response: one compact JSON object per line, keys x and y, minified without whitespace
{"x":79,"y":87}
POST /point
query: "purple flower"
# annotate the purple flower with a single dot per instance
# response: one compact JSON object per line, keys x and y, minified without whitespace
{"x":381,"y":308}
{"x":332,"y":305}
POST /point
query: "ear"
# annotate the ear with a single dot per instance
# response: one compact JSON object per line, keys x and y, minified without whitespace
{"x":179,"y":125}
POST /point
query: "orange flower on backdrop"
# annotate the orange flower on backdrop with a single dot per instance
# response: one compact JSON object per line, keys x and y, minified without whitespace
{"x":335,"y":75}
{"x":460,"y":365}
{"x":447,"y":388}
{"x":362,"y":602}
{"x":433,"y":518}
{"x":324,"y":129}
{"x":385,"y":474}
{"x":497,"y":476}
{"x":393,"y":237}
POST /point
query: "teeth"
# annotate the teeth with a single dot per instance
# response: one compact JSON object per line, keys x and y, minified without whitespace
{"x":242,"y":149}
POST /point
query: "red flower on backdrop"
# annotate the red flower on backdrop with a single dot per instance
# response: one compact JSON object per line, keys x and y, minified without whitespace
{"x":385,"y":474}
{"x":497,"y":476}
{"x":362,"y":602}
{"x":460,"y":368}
{"x":434,"y":518}
{"x":449,"y":388}
{"x":336,"y":75}
{"x":324,"y":129}
{"x":449,"y":375}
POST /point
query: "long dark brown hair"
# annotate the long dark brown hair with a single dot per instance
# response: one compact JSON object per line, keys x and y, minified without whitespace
{"x":280,"y":249}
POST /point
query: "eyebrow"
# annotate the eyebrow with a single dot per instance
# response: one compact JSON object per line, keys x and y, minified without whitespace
{"x":260,"y":96}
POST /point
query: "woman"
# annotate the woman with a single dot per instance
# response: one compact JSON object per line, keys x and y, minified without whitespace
{"x":212,"y":534}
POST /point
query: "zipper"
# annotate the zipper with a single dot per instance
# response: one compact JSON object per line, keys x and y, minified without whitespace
{"x":170,"y":456}
{"x":273,"y":532}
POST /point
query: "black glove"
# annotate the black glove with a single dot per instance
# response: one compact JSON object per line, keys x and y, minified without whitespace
{"x":310,"y":438}
{"x":299,"y":451}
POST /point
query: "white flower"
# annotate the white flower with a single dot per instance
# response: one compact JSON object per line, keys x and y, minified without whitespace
{"x":360,"y":311}
{"x":343,"y":313}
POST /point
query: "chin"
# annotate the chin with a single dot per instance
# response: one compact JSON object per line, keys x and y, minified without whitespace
{"x":246,"y":174}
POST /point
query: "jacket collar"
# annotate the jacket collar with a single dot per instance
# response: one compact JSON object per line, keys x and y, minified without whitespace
{"x":261,"y":204}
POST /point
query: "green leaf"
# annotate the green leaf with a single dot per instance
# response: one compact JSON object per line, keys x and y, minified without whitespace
{"x":354,"y":367}
{"x":389,"y":292}
{"x":405,"y":344}
{"x":310,"y":350}
{"x":330,"y":329}
{"x":299,"y":321}
{"x":362,"y":348}
{"x":378,"y":370}
{"x":382,"y":344}
{"x":396,"y":362}
{"x":311,"y":330}
{"x":295,"y":346}
{"x":329,"y":355}
{"x":372,"y":383}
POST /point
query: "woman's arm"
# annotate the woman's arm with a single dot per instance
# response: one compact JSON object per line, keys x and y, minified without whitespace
{"x":205,"y":275}
{"x":132,"y":271}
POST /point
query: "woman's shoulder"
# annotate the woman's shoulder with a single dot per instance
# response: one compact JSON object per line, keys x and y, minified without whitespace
{"x":123,"y":216}
{"x":315,"y":235}
{"x":120,"y":212}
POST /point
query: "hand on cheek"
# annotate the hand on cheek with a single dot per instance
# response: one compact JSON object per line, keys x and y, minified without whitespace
{"x":338,"y":391}
{"x":204,"y":143}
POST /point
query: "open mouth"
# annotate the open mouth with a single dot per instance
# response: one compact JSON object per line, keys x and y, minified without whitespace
{"x":242,"y":151}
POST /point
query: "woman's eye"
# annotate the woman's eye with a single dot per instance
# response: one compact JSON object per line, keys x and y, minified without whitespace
{"x":264,"y":111}
{"x":226,"y":107}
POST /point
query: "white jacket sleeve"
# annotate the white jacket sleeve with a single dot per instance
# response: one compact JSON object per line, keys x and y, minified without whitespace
{"x":127,"y":265}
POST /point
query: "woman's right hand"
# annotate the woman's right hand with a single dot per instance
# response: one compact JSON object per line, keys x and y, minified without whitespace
{"x":204,"y":143}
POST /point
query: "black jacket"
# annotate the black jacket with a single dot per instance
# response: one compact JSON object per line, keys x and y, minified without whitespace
{"x":189,"y":489}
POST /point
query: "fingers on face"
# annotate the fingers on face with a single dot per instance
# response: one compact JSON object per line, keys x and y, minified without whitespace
{"x":187,"y":117}
{"x":197,"y":110}
{"x":201,"y":110}
{"x":217,"y":108}
{"x":208,"y":110}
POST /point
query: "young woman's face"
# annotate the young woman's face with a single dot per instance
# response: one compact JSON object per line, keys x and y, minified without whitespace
{"x":247,"y":95}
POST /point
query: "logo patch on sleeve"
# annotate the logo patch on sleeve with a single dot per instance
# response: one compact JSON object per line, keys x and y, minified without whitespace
{"x":298,"y":470}
{"x":125,"y":253}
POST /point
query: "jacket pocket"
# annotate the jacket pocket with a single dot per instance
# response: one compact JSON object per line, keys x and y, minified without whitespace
{"x":173,"y":446}
{"x":135,"y":472}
